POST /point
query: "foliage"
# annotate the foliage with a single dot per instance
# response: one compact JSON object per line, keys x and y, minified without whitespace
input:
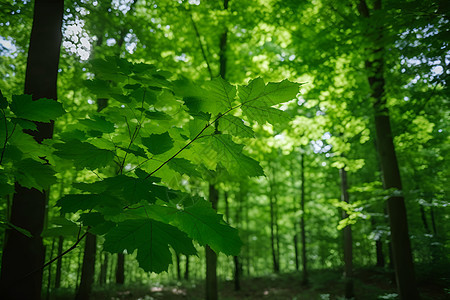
{"x":135,"y":210}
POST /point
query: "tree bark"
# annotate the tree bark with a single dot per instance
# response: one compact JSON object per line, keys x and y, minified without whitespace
{"x":275,"y":262}
{"x":186,"y":269}
{"x":59,"y":263}
{"x":21,"y":277}
{"x":88,"y":268}
{"x":305,"y":279}
{"x":348,"y":250}
{"x":120,"y":269}
{"x":103,"y":269}
{"x":401,"y":247}
{"x":211,"y":256}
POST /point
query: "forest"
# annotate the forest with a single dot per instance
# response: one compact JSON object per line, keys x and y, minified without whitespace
{"x":224,"y":149}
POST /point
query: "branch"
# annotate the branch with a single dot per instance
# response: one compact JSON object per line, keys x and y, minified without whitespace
{"x":201,"y":45}
{"x":56,"y":258}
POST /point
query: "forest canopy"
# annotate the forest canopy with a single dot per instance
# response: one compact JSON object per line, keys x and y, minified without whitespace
{"x":191,"y":143}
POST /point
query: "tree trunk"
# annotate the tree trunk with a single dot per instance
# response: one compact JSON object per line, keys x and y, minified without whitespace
{"x":305,"y":279}
{"x":120,"y":269}
{"x":211,"y":256}
{"x":186,"y":269}
{"x":401,"y":247}
{"x":276,"y":266}
{"x":49,"y":277}
{"x":103,"y":269}
{"x":59,"y":263}
{"x":21,"y":276}
{"x":348,"y":251}
{"x":88,"y":268}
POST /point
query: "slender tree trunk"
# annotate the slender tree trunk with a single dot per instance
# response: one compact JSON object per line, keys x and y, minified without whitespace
{"x":49,"y":277}
{"x":59,"y":263}
{"x":211,"y":256}
{"x":276,"y":266}
{"x":120,"y":269}
{"x":305,"y":279}
{"x":186,"y":269}
{"x":348,"y":250}
{"x":21,"y":277}
{"x":103,"y":269}
{"x":401,"y":247}
{"x":379,"y":251}
{"x":294,"y":209}
{"x":88,"y":268}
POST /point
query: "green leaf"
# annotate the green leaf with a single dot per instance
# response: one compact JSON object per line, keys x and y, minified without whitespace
{"x":235,"y":126}
{"x":25,"y":124}
{"x":258,"y":94}
{"x":99,"y":123}
{"x":231,"y":157}
{"x":97,"y":223}
{"x":102,"y":202}
{"x":135,"y":150}
{"x":3,"y":101}
{"x":143,"y":94}
{"x":265,"y":114}
{"x":157,"y":115}
{"x":151,"y":239}
{"x":33,"y":174}
{"x":121,"y":98}
{"x":63,"y":227}
{"x":99,"y":87}
{"x":41,"y":110}
{"x":84,"y":155}
{"x":221,"y":94}
{"x":19,"y":229}
{"x":183,"y":166}
{"x":130,"y":189}
{"x":158,"y":143}
{"x":201,"y":223}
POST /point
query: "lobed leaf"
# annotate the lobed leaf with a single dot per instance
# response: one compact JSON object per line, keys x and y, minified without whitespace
{"x":151,"y":239}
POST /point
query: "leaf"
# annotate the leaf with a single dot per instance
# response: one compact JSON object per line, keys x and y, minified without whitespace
{"x":99,"y":87}
{"x":97,"y":223}
{"x":258,"y":94}
{"x":201,"y":223}
{"x":265,"y":114}
{"x":84,"y":155}
{"x":64,"y":228}
{"x":75,"y":202}
{"x":25,"y":124}
{"x":221,"y":94}
{"x":19,"y":229}
{"x":135,"y":150}
{"x":130,"y":189}
{"x":151,"y":239}
{"x":157,"y":115}
{"x":158,"y":143}
{"x":231,"y":157}
{"x":33,"y":174}
{"x":41,"y":110}
{"x":3,"y":101}
{"x":121,"y":98}
{"x":143,"y":94}
{"x":183,"y":166}
{"x":235,"y":126}
{"x":99,"y":123}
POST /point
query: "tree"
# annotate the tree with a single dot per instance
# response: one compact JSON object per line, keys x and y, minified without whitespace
{"x":23,"y":256}
{"x":401,"y":247}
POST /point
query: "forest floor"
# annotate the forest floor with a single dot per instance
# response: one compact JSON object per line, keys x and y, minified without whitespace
{"x":324,"y":285}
